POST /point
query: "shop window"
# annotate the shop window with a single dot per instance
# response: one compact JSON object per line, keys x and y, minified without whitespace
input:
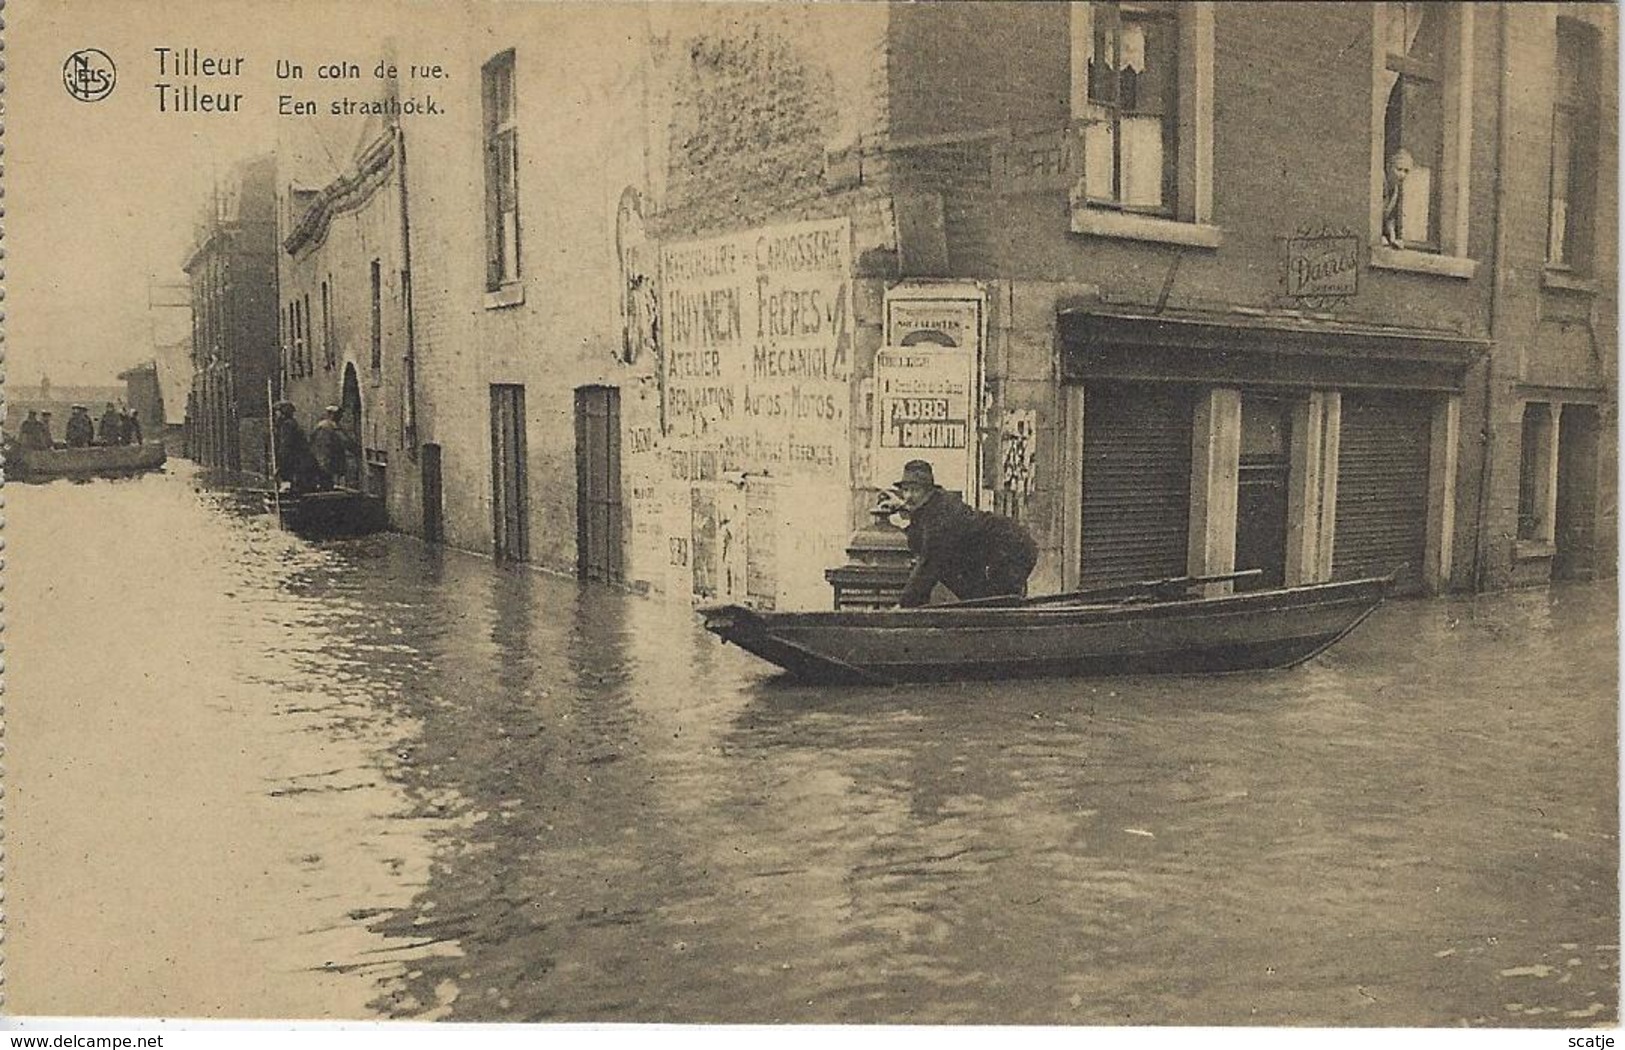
{"x":1420,"y":177}
{"x":1536,"y":478}
{"x":501,"y":173}
{"x":1575,"y":133}
{"x":1142,"y":86}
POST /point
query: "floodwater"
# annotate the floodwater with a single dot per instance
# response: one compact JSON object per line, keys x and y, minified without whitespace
{"x":254,"y":776}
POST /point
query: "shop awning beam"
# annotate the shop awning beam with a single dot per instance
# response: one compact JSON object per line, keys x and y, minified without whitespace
{"x":1261,"y":351}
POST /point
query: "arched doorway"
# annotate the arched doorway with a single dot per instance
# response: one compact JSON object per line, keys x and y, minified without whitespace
{"x":350,"y":421}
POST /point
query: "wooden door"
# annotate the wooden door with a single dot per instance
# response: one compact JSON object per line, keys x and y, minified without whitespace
{"x":510,"y":524}
{"x":434,"y":522}
{"x":1261,"y":490}
{"x":598,"y":483}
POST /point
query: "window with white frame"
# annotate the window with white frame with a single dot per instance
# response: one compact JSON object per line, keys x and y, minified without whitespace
{"x":1423,"y":127}
{"x":501,"y":173}
{"x":1574,"y":148}
{"x":1142,"y":87}
{"x":1131,"y":129}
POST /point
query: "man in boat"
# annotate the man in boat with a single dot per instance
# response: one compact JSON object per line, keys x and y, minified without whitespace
{"x":46,"y":428}
{"x":31,"y":434}
{"x":81,"y":431}
{"x":294,"y":463}
{"x":132,"y":428}
{"x":331,"y":447}
{"x":974,"y":553}
{"x":111,"y":430}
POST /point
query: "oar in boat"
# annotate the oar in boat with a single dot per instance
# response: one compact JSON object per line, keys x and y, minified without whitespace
{"x":1114,"y":592}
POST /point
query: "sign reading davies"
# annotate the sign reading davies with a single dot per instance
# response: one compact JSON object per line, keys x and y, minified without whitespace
{"x":1323,"y":266}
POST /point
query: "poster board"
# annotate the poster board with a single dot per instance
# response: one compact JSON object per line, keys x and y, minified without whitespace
{"x":928,"y":385}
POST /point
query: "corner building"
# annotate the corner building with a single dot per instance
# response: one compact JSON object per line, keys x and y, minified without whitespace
{"x":345,"y":315}
{"x":1188,"y":288}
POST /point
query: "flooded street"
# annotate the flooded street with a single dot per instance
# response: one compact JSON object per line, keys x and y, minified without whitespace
{"x":253,"y":776}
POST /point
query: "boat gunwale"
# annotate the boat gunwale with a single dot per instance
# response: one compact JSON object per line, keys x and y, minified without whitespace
{"x":83,"y":461}
{"x":1281,"y":599}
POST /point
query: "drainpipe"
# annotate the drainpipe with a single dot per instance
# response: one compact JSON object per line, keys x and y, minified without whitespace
{"x":1503,"y":153}
{"x":411,"y":359}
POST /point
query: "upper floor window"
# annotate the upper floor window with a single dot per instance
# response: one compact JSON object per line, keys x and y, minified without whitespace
{"x":1422,"y":130}
{"x":310,"y":339}
{"x":298,"y":340}
{"x":330,"y":352}
{"x":1142,"y":103}
{"x":1574,"y":148}
{"x":377,"y":355}
{"x":1131,"y":120}
{"x":501,"y":173}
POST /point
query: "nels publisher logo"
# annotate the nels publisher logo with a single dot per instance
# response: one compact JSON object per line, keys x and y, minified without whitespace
{"x":88,"y":74}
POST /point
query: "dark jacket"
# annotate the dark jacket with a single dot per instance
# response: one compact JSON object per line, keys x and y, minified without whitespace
{"x":32,"y":435}
{"x":111,"y":431}
{"x":974,"y":553}
{"x":80,"y":430}
{"x":294,"y":463}
{"x":331,"y":446}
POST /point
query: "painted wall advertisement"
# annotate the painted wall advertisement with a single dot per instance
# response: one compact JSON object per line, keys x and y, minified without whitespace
{"x":756,"y":367}
{"x":926,"y":382}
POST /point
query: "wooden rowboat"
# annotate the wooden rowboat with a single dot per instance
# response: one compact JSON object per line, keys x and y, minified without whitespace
{"x":95,"y":461}
{"x":1134,"y":629}
{"x":334,"y":514}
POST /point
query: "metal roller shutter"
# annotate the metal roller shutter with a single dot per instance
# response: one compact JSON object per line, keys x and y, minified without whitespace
{"x":1136,"y":482}
{"x":1382,"y":487}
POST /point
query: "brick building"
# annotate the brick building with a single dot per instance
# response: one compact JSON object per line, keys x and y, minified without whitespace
{"x":1554,"y":308}
{"x":1186,"y":287}
{"x":232,"y":270}
{"x":344,"y":314}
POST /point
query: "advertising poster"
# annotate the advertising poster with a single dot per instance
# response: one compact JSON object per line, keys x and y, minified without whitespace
{"x":756,"y":341}
{"x":927,"y":402}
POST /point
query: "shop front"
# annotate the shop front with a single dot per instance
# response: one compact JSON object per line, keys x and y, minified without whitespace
{"x":1213,"y":444}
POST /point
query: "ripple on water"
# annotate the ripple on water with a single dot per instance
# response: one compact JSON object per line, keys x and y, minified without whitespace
{"x":632,"y":822}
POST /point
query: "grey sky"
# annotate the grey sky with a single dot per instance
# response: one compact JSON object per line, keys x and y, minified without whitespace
{"x":102,"y":196}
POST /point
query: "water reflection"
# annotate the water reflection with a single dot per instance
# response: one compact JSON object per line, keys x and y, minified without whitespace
{"x":683,"y":836}
{"x":633,"y":822}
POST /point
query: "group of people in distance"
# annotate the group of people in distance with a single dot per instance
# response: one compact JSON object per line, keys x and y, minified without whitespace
{"x":118,"y":426}
{"x":315,"y":463}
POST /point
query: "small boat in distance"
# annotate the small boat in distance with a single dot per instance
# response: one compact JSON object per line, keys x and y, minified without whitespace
{"x":333,"y":514}
{"x":94,"y":461}
{"x":1154,"y":627}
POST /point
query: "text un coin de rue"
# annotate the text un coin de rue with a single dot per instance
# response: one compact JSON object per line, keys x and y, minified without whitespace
{"x":191,"y":80}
